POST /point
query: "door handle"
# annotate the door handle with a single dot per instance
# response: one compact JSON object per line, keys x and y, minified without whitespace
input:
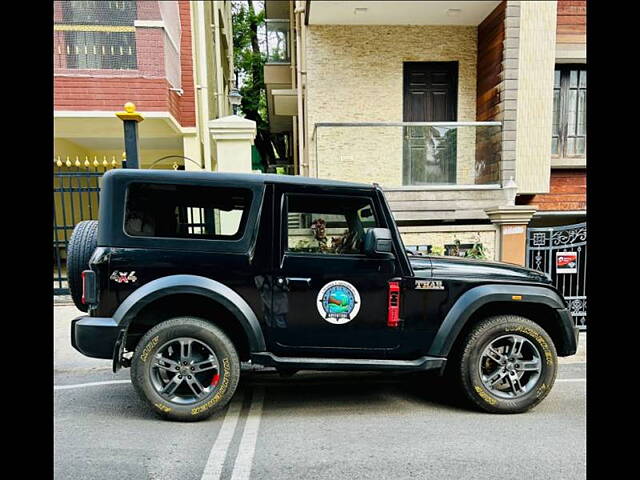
{"x":298,"y":282}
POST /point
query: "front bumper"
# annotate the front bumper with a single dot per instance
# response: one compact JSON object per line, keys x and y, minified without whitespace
{"x":94,"y":336}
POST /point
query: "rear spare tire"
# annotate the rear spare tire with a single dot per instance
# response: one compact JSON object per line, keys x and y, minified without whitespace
{"x":82,"y":244}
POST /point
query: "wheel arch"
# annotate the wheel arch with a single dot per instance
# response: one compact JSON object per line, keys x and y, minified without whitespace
{"x":540,"y":305}
{"x":192,"y":295}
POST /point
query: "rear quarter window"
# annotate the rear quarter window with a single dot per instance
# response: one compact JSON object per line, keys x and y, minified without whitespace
{"x":186,"y":211}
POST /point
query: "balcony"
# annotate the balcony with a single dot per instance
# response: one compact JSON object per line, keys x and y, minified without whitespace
{"x":399,"y":154}
{"x":117,"y":39}
{"x":277,"y":41}
{"x":429,"y":170}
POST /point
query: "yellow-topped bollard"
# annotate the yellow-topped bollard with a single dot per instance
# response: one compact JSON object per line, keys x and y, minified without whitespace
{"x":130,"y":119}
{"x":130,"y":113}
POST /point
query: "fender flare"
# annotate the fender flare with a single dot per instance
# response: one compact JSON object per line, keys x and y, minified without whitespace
{"x":469,"y":302}
{"x":192,"y":284}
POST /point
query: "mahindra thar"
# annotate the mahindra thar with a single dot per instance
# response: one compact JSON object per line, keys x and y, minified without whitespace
{"x":188,"y":274}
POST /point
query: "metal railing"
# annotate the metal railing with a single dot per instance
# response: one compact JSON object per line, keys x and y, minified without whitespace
{"x":76,"y":190}
{"x":409,"y":153}
{"x":545,"y":245}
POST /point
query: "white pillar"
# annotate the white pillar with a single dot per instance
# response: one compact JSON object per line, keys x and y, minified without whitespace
{"x":233,"y":137}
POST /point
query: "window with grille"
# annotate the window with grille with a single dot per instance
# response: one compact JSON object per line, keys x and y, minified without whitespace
{"x":98,"y":12}
{"x":569,"y":137}
{"x":98,"y":35}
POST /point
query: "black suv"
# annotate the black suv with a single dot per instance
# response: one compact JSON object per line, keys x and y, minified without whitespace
{"x":189,"y":273}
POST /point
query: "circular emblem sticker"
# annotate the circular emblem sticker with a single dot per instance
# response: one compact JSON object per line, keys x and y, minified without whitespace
{"x":338,"y":302}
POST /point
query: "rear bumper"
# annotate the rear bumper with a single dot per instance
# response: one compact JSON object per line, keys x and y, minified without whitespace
{"x":94,"y":336}
{"x":570,"y":334}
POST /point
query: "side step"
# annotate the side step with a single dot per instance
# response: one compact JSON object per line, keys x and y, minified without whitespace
{"x":268,"y":359}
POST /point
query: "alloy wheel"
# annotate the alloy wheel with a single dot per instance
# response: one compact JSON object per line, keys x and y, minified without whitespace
{"x":510,"y":366}
{"x":184,"y":370}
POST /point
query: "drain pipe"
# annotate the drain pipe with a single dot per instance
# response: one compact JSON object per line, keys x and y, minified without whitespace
{"x":302,"y":167}
{"x":218,"y":58}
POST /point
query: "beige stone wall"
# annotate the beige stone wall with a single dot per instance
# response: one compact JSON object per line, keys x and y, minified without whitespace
{"x":535,"y":95}
{"x":354,"y":74}
{"x":440,"y":236}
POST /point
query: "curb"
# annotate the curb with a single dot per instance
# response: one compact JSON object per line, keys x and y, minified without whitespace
{"x":62,"y":300}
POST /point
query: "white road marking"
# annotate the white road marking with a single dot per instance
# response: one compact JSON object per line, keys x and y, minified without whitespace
{"x":247,"y":449}
{"x":218,"y":453}
{"x":90,"y":384}
{"x":571,"y":380}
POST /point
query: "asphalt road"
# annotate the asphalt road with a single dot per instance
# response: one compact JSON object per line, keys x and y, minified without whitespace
{"x":314,"y":425}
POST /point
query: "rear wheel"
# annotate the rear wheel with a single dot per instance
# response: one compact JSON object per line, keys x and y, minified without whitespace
{"x":186,"y":369}
{"x":507,"y":364}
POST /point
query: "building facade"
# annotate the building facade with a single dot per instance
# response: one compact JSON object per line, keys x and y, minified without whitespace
{"x":470,"y":115}
{"x":173,"y":59}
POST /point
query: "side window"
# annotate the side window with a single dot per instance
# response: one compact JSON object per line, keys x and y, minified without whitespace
{"x":186,"y":211}
{"x":328,"y":224}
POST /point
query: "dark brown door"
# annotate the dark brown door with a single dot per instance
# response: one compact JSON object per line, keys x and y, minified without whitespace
{"x":430,"y":95}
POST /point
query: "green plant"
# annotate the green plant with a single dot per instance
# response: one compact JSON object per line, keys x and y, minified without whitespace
{"x":437,"y":251}
{"x":477,"y":252}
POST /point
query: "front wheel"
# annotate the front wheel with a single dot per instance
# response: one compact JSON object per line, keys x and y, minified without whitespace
{"x":185,"y":369}
{"x":508,"y":364}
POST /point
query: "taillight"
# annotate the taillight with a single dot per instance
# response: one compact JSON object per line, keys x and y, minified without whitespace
{"x":393,"y":318}
{"x":89,"y":291}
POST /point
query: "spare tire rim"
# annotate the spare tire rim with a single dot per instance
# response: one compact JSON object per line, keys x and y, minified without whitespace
{"x":185,"y":371}
{"x":510,"y":366}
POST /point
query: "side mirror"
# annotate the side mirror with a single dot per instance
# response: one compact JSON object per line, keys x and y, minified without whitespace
{"x":377,"y":242}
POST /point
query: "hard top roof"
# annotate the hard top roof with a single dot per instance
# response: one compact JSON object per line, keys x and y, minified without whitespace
{"x":242,"y":178}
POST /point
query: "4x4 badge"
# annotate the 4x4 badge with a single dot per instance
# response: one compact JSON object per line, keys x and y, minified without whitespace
{"x":123,"y":277}
{"x":429,"y":285}
{"x":338,"y":302}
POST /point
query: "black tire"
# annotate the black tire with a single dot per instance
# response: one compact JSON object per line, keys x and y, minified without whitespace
{"x":82,"y":244}
{"x":466,"y":367}
{"x":202,"y":331}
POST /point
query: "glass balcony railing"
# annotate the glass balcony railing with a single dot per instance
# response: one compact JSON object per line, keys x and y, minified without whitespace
{"x":409,"y":153}
{"x":278,"y":41}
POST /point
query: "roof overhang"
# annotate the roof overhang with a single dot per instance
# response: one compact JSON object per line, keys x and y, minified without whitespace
{"x":102,"y":130}
{"x":399,"y":12}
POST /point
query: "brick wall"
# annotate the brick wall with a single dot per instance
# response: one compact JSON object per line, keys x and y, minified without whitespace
{"x":95,"y":93}
{"x":187,"y":102}
{"x":355,"y":74}
{"x":568,"y":191}
{"x":572,"y":22}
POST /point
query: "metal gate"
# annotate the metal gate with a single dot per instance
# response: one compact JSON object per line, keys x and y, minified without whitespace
{"x":561,"y":253}
{"x":76,"y":188}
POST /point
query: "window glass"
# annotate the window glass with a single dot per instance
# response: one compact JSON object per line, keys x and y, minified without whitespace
{"x":327,"y":224}
{"x":569,"y":111}
{"x":186,"y":211}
